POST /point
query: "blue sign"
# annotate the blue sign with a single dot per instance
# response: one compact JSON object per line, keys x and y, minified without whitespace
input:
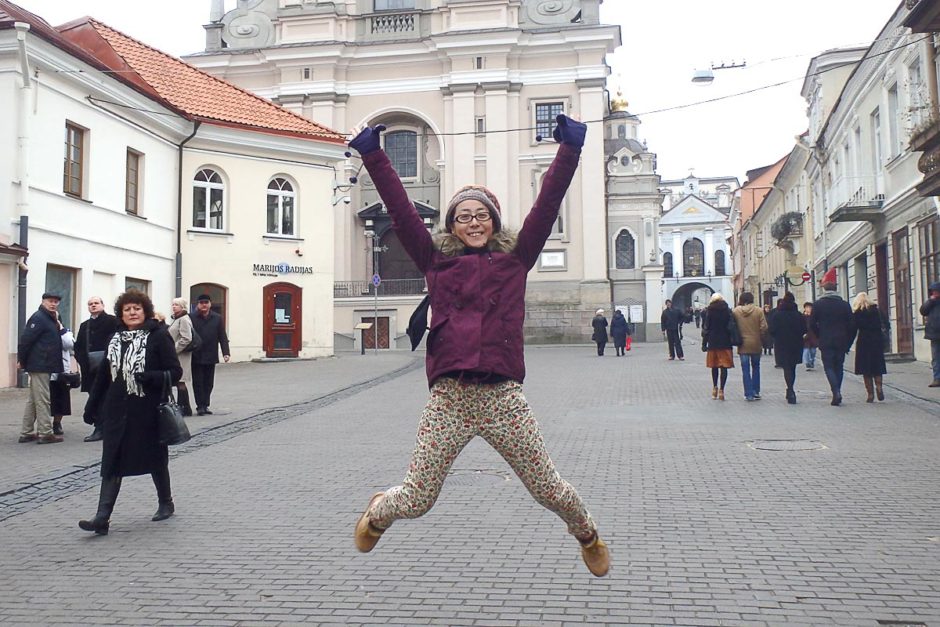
{"x":376,"y":280}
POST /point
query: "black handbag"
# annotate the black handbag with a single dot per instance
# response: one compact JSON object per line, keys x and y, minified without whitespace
{"x":71,"y":379}
{"x":734,"y":334}
{"x":94,"y":361}
{"x":195,"y":343}
{"x":170,"y":423}
{"x":418,"y":323}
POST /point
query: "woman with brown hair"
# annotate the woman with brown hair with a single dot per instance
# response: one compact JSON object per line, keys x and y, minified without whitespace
{"x":870,"y":345}
{"x":788,"y":328}
{"x":716,"y":342}
{"x":127,"y":390}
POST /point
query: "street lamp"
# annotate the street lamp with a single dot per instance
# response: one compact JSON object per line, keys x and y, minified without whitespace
{"x":707,"y":77}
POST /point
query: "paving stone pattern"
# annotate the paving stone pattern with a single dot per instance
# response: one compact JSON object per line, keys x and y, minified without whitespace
{"x":704,"y":528}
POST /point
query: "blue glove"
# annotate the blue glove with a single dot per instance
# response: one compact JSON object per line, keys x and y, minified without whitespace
{"x":367,"y":140}
{"x":568,"y":131}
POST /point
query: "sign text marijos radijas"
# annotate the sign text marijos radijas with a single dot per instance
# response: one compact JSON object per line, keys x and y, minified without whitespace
{"x":277,"y":269}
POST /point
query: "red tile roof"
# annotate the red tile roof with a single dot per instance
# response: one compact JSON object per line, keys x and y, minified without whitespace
{"x":174,"y":83}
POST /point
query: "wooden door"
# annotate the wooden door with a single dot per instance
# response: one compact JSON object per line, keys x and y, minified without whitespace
{"x":283,"y":309}
{"x":881,"y":284}
{"x":904,"y":325}
{"x":368,"y":336}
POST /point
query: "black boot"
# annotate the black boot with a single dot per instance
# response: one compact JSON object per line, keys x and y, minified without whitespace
{"x":165,"y":509}
{"x":182,"y":395}
{"x":101,"y":522}
{"x":96,"y":435}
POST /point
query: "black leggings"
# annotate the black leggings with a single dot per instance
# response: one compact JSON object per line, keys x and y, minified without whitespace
{"x":789,"y":375}
{"x":724,"y":377}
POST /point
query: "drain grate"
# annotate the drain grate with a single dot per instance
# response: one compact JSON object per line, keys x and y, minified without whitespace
{"x":476,"y":476}
{"x":786,"y":445}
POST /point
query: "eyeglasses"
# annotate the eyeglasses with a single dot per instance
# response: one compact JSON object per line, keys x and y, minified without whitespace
{"x":466,"y":218}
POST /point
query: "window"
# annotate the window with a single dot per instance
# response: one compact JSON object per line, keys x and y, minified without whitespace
{"x":307,"y":74}
{"x":929,"y":235}
{"x":876,"y":154}
{"x":74,"y":160}
{"x":545,"y":114}
{"x":481,"y":126}
{"x":132,"y":182}
{"x":280,"y":208}
{"x":693,"y":257}
{"x":917,"y":96}
{"x":667,"y":265}
{"x":141,"y":285}
{"x":720,"y":263}
{"x":621,"y":131}
{"x":626,"y":251}
{"x":217,"y":293}
{"x":393,"y":5}
{"x":894,"y":139}
{"x":61,"y":280}
{"x":207,"y":200}
{"x":402,"y":150}
{"x":478,"y":63}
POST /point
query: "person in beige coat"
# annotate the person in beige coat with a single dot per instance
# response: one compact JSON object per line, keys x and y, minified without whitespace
{"x":181,"y":330}
{"x":752,"y":324}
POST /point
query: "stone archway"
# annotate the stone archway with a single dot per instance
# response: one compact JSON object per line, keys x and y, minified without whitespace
{"x":684,"y":297}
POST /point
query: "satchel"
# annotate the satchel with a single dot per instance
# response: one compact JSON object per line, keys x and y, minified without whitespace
{"x":94,"y":361}
{"x":418,"y":322}
{"x":71,"y":379}
{"x":733,"y":332}
{"x":195,"y":343}
{"x":171,"y":426}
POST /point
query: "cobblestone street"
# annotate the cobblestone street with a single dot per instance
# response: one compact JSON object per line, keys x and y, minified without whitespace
{"x":717,"y":513}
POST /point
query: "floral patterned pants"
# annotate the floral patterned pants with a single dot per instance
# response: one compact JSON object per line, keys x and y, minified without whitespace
{"x":454,"y":415}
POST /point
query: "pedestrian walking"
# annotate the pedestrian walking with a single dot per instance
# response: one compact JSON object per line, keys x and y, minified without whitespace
{"x":697,"y":314}
{"x":810,"y":341}
{"x":834,"y":324}
{"x":60,"y":384}
{"x":870,"y":347}
{"x":620,"y":332}
{"x":716,"y":342}
{"x":90,"y":344}
{"x":752,"y":325}
{"x":181,"y":331}
{"x":476,"y":273}
{"x":788,"y":328}
{"x":669,"y":322}
{"x":39,"y":353}
{"x":767,"y":340}
{"x":599,"y":324}
{"x":210,"y":328}
{"x":139,"y":361}
{"x":931,"y":312}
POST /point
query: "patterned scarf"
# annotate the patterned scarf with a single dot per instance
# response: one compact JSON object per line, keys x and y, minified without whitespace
{"x":132,"y":360}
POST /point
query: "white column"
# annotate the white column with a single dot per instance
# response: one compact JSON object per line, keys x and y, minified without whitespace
{"x":677,"y":264}
{"x":462,"y":157}
{"x":709,"y":251}
{"x":497,"y":145}
{"x":593,"y":210}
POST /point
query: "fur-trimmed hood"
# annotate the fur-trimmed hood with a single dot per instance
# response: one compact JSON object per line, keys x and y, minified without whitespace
{"x":503,"y":241}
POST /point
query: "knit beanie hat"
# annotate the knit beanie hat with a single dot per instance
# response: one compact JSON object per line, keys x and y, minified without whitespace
{"x":474,"y":192}
{"x":830,"y":278}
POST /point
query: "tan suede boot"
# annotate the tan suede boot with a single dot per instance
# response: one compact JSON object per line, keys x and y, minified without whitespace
{"x":367,"y":536}
{"x":596,"y":556}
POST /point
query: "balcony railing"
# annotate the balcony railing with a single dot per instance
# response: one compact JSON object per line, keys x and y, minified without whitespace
{"x":856,"y":198}
{"x":392,"y":287}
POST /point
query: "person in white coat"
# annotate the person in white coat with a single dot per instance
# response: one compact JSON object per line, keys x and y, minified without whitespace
{"x":181,"y":330}
{"x":60,"y":390}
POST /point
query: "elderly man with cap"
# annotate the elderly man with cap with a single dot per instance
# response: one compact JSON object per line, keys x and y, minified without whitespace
{"x":931,"y":311}
{"x":211,"y":329}
{"x":834,"y":325}
{"x":40,"y":353}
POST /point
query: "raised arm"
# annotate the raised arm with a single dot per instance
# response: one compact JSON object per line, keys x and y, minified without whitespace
{"x":538,"y":224}
{"x":408,"y":225}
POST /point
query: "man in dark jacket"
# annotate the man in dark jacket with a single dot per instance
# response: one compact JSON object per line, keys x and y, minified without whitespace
{"x":93,"y":337}
{"x":834,"y":325}
{"x":40,"y":354}
{"x":931,"y":310}
{"x":208,"y":325}
{"x":669,"y":323}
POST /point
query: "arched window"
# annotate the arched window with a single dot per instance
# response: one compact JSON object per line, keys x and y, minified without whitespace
{"x":402,"y":150}
{"x":626,"y":251}
{"x":693,"y":257}
{"x":208,"y":191}
{"x":280,"y":208}
{"x":720,"y":263}
{"x":667,"y":265}
{"x":621,"y":131}
{"x":217,"y":293}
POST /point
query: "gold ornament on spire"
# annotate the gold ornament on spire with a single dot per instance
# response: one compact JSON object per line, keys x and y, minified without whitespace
{"x":619,"y":103}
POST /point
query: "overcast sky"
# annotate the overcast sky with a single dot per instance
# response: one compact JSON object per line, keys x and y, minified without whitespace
{"x":664,"y":41}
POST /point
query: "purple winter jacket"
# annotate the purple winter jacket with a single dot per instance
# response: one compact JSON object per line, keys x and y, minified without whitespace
{"x":477,"y":299}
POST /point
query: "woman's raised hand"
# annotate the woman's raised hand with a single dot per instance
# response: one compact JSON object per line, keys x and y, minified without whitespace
{"x":569,"y":131}
{"x":366,"y":139}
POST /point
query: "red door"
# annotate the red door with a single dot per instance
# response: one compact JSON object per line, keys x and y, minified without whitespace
{"x":369,"y":336}
{"x":282,"y":319}
{"x":904,"y":326}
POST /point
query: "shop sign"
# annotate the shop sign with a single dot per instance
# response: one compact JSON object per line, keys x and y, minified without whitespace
{"x":277,"y":269}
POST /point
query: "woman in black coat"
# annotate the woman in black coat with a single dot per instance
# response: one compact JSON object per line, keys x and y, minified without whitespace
{"x":599,"y":323}
{"x":870,"y":345}
{"x":127,"y":391}
{"x":788,"y":327}
{"x":716,"y":342}
{"x":619,"y":330}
